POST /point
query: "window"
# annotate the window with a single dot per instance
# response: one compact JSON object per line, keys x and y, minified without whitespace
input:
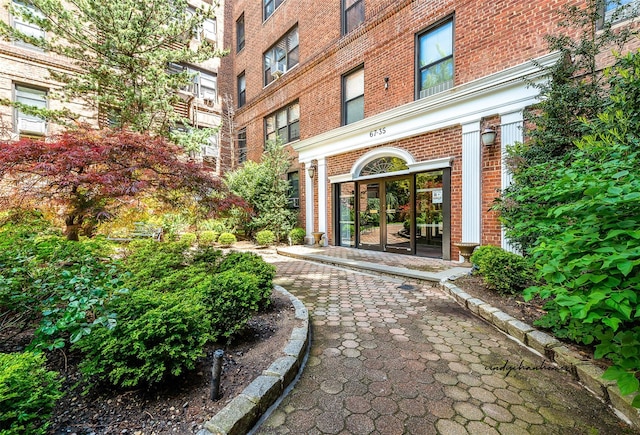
{"x":285,"y":123}
{"x":240,"y":33}
{"x":352,"y":14}
{"x":206,"y":86}
{"x":25,"y":123}
{"x":281,"y":57}
{"x":619,"y":10}
{"x":269,"y":6}
{"x":435,"y":60}
{"x":203,"y":85}
{"x":23,"y":25}
{"x":353,"y":96}
{"x":294,"y":189}
{"x":242,"y":90}
{"x":242,"y":145}
{"x":209,"y":28}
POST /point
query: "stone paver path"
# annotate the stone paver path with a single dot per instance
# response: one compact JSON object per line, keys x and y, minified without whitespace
{"x":386,"y":360}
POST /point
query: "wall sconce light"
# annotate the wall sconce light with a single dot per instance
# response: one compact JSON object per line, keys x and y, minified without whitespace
{"x":488,"y":136}
{"x":311,"y":170}
{"x":386,"y":83}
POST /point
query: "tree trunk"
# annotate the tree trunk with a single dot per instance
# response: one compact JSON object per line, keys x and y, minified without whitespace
{"x":73,"y":227}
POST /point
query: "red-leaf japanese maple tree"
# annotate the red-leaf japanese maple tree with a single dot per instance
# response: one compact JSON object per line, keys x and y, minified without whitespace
{"x":82,"y":171}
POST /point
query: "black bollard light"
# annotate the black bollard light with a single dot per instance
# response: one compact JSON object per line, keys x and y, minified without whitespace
{"x":216,"y":368}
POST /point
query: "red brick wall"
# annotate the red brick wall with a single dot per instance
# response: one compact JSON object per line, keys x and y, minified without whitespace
{"x":489,"y":36}
{"x":491,"y":185}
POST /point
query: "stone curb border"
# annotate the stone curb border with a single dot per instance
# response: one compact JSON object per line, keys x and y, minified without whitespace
{"x":242,"y":413}
{"x":589,"y":375}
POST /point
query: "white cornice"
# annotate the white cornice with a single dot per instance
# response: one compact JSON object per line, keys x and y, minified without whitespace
{"x":501,"y":92}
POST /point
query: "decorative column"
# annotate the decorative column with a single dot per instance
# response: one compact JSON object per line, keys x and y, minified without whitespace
{"x":511,"y":125}
{"x":322,"y":198}
{"x":471,"y":183}
{"x":308,"y":204}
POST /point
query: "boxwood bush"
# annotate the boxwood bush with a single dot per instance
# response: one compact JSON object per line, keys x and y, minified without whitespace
{"x":265,"y":238}
{"x":208,"y":237}
{"x":296,"y":235}
{"x":503,"y":271}
{"x":28,"y":393}
{"x":227,"y":239}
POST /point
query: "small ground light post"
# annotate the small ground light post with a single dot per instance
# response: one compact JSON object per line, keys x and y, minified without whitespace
{"x":216,"y":368}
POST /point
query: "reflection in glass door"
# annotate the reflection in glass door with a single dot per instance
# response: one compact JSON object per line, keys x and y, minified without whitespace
{"x":369,"y":216}
{"x":429,"y":214}
{"x":397,"y":194}
{"x":347,"y":215}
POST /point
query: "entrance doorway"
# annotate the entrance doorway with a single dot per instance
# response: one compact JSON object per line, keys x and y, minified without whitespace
{"x":406,"y":214}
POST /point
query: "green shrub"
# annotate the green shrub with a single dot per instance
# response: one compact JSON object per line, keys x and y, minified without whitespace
{"x":503,"y":271}
{"x":232,"y":299}
{"x":227,"y":239}
{"x":28,"y":393}
{"x":158,"y":335}
{"x":254,"y":264}
{"x":148,"y":261}
{"x":297,"y":235}
{"x":265,"y":238}
{"x":481,"y":254}
{"x":208,"y":237}
{"x":188,"y":238}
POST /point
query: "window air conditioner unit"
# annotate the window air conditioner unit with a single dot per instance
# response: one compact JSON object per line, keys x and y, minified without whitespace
{"x":278,"y":71}
{"x":32,"y":126}
{"x":209,"y":98}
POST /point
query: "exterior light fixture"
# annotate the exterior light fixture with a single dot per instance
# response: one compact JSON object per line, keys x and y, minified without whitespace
{"x":488,"y":136}
{"x":311,"y":170}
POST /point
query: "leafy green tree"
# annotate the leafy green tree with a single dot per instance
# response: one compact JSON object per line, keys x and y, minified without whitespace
{"x":576,"y":90}
{"x":592,"y":266}
{"x":263,"y":186}
{"x":121,"y":51}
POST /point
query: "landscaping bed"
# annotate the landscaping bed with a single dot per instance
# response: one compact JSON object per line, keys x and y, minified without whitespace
{"x":179,"y":407}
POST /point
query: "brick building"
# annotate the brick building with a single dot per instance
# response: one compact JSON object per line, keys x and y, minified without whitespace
{"x":383,"y":102}
{"x":24,"y":77}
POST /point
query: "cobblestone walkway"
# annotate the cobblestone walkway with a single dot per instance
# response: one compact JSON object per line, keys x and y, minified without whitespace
{"x":387,"y":360}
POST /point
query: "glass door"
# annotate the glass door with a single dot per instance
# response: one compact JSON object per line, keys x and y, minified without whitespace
{"x":369,"y":216}
{"x":398,"y":213}
{"x":347,"y":215}
{"x":429,"y":214}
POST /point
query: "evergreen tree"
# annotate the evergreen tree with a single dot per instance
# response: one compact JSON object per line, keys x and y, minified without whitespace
{"x":121,"y":51}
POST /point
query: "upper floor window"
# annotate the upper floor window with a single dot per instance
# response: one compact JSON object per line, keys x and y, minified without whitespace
{"x":202,"y":85}
{"x":25,"y":123}
{"x":269,"y":6}
{"x":435,"y":60}
{"x":240,"y":33}
{"x":353,"y":96}
{"x":352,"y":14}
{"x":242,"y":145}
{"x":285,"y":124}
{"x":209,"y":29}
{"x":283,"y":56}
{"x":23,"y":25}
{"x":242,"y":90}
{"x":618,"y":10}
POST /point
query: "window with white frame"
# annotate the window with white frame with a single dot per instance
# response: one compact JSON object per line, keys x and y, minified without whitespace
{"x":23,"y":25}
{"x":26,"y":123}
{"x":242,"y":90}
{"x":202,"y":84}
{"x":283,"y":56}
{"x":352,"y":14}
{"x":285,"y":124}
{"x":619,"y":10}
{"x":269,"y":6}
{"x":353,"y":96}
{"x":435,"y":59}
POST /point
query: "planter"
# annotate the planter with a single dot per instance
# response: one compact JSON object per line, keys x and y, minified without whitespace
{"x":317,"y":237}
{"x":466,"y":249}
